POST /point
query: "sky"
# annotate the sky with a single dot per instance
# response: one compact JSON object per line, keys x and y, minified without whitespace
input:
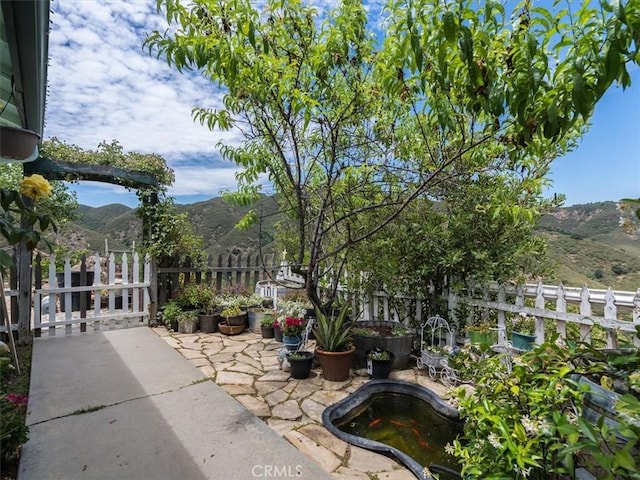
{"x":103,"y":86}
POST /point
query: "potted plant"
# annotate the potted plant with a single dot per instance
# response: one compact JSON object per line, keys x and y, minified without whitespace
{"x":300,"y":363}
{"x":479,"y":334}
{"x":334,"y":346}
{"x":292,"y":328}
{"x":390,"y":336}
{"x":379,"y":363}
{"x":523,"y":331}
{"x":234,"y":316}
{"x":257,"y":315}
{"x":266,"y":325}
{"x":277,"y":331}
{"x":170,"y":313}
{"x":209,"y":315}
{"x":188,"y":321}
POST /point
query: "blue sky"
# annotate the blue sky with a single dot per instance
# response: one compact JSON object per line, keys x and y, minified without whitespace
{"x":103,"y":86}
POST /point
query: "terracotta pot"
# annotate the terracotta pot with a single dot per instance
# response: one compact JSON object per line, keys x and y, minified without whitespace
{"x":335,"y":365}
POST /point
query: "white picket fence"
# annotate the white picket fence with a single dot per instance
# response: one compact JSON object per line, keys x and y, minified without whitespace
{"x":104,"y":310}
{"x":620,"y":310}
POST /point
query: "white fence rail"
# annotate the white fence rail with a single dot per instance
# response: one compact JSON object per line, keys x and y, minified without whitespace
{"x":613,"y":311}
{"x":121,"y":302}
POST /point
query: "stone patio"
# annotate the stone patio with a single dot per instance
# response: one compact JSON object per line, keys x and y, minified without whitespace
{"x":246,"y":367}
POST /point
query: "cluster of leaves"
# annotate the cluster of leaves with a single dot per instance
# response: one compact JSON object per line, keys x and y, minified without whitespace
{"x":172,"y":236}
{"x":110,"y":154}
{"x":332,"y":333}
{"x":529,"y":423}
{"x":456,"y":108}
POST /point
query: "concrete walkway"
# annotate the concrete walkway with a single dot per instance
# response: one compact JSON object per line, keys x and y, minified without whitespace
{"x":125,"y":405}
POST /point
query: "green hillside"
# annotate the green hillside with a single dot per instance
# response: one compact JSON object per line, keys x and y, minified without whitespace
{"x":585,"y":241}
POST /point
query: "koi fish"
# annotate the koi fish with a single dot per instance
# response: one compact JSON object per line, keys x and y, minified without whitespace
{"x":415,"y":432}
{"x":424,"y":444}
{"x":413,"y":422}
{"x":375,"y":422}
{"x":397,"y":423}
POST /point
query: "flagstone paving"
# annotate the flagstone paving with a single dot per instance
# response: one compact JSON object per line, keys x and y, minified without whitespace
{"x":246,"y":367}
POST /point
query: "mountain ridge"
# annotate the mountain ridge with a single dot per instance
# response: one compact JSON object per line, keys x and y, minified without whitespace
{"x":585,"y":240}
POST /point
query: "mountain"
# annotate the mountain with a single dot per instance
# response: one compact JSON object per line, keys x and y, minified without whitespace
{"x":589,"y":247}
{"x":584,"y":241}
{"x":213,"y":219}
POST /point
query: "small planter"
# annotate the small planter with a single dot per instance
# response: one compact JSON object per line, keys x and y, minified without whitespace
{"x":190,"y":326}
{"x":277,"y":334}
{"x":522,"y":341}
{"x":236,"y":320}
{"x":267,"y":332}
{"x":379,"y":369}
{"x":480,"y":338}
{"x":208,"y":323}
{"x":291,"y":342}
{"x":230,"y":329}
{"x":256,"y":316}
{"x":301,"y":368}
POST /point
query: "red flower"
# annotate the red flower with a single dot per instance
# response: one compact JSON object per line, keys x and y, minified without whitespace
{"x":292,"y":326}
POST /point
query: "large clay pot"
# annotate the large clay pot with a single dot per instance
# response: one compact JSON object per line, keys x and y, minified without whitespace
{"x":399,"y":345}
{"x":335,"y":365}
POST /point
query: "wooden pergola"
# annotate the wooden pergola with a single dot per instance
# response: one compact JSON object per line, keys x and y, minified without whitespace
{"x":71,"y":171}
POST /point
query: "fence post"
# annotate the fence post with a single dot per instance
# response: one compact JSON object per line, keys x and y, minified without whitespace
{"x":561,"y":306}
{"x":585,"y":309}
{"x":37,"y":273}
{"x":502,"y":324}
{"x":53,"y":280}
{"x":540,"y":320}
{"x":97,"y":295}
{"x":610,"y":313}
{"x":83,"y":295}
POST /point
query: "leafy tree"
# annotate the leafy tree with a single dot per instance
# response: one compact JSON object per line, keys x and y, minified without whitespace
{"x":352,"y":132}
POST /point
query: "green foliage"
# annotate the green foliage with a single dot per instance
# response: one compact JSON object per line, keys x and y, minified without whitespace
{"x":231,"y":311}
{"x":380,"y":355}
{"x":110,"y":154}
{"x":332,"y":333}
{"x":170,"y":313}
{"x":463,"y":105}
{"x":528,"y":423}
{"x":268,"y":320}
{"x":200,"y":296}
{"x":172,"y":235}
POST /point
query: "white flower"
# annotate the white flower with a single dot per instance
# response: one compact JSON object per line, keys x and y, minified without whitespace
{"x":529,"y":425}
{"x":572,"y":418}
{"x":494,"y":440}
{"x":449,"y":449}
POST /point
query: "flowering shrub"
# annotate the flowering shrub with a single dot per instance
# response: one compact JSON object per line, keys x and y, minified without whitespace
{"x":292,"y":326}
{"x":13,"y":431}
{"x":528,"y":423}
{"x":522,"y":323}
{"x":13,"y":207}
